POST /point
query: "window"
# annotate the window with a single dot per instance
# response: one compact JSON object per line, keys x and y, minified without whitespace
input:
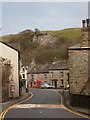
{"x":68,"y":78}
{"x":23,"y":76}
{"x":23,"y":69}
{"x":51,"y":74}
{"x":61,"y":74}
{"x":45,"y":76}
{"x":32,"y":77}
{"x":62,"y":82}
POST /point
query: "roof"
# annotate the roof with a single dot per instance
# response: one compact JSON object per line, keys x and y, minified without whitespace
{"x":39,"y":69}
{"x":59,"y":65}
{"x":13,"y":46}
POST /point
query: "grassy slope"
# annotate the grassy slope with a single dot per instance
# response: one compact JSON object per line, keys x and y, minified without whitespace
{"x":7,"y":38}
{"x":70,"y":33}
{"x":66,"y":37}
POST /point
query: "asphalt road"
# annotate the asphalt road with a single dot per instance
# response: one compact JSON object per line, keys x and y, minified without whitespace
{"x":43,"y":104}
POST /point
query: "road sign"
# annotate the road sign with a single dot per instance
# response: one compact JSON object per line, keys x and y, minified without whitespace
{"x":12,"y":87}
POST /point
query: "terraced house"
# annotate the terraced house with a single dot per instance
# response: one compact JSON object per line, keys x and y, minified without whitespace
{"x":79,"y":68}
{"x":38,"y":72}
{"x":59,"y":74}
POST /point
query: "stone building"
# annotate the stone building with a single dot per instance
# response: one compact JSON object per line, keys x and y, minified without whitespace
{"x":38,"y":72}
{"x":79,"y":68}
{"x":59,"y":74}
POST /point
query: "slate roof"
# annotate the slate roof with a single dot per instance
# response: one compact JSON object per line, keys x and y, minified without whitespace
{"x":59,"y":65}
{"x":13,"y":46}
{"x":39,"y":69}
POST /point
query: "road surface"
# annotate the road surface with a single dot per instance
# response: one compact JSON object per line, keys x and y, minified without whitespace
{"x":43,"y":104}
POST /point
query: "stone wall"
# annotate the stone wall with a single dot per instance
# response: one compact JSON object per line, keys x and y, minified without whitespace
{"x":41,"y":76}
{"x":85,"y":37}
{"x":57,"y":74}
{"x":79,"y":71}
{"x":80,"y":100}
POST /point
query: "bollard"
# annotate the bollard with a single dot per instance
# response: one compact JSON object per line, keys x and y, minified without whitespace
{"x":27,"y":90}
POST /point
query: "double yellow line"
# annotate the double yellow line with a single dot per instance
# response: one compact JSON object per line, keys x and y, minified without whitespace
{"x":2,"y":116}
{"x":77,"y":113}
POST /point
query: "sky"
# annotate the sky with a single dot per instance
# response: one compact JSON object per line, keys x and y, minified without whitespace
{"x":19,"y":16}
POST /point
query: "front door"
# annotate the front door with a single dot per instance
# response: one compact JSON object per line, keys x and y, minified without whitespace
{"x":55,"y":83}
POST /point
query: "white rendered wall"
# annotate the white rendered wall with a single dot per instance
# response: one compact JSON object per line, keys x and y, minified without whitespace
{"x":11,"y":55}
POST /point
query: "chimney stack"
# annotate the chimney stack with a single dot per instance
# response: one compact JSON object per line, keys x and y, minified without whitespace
{"x":85,"y":33}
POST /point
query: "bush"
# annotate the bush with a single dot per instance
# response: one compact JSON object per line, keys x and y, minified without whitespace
{"x":6,"y":73}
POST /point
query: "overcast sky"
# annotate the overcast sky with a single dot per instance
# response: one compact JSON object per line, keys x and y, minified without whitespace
{"x":18,"y":16}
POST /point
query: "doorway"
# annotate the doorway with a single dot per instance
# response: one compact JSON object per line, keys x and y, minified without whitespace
{"x":55,"y":83}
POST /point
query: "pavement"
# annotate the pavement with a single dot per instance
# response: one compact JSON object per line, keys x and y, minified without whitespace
{"x":15,"y":100}
{"x":66,"y":102}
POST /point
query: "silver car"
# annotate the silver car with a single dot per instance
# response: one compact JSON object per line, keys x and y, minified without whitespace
{"x":47,"y":85}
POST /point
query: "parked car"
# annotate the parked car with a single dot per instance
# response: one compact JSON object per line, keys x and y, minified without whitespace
{"x":47,"y":85}
{"x":35,"y":86}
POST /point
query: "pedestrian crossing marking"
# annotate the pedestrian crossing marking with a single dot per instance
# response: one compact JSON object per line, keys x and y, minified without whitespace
{"x":38,"y":106}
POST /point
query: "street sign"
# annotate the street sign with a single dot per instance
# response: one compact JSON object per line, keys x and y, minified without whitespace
{"x":12,"y":88}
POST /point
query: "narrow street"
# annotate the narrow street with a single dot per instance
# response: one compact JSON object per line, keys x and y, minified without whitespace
{"x":43,"y":104}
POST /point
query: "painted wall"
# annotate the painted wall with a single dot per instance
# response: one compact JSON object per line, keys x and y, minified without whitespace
{"x":12,"y":55}
{"x":23,"y":71}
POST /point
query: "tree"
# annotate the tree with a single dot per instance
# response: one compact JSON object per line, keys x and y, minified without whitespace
{"x":37,"y":30}
{"x":6,"y":72}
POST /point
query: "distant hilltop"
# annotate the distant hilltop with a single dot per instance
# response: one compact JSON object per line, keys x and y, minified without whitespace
{"x":44,"y":46}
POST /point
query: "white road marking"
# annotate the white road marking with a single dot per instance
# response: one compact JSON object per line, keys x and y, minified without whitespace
{"x":38,"y":106}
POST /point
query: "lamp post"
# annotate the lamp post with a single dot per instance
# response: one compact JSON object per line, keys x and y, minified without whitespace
{"x":35,"y":75}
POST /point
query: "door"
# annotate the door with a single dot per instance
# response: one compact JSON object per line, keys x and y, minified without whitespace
{"x":55,"y":83}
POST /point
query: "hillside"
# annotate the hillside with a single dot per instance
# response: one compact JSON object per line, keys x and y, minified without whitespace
{"x":44,"y":46}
